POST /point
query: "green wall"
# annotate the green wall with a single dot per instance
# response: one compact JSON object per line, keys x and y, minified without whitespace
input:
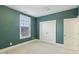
{"x":9,"y":27}
{"x":59,"y":17}
{"x":78,"y":10}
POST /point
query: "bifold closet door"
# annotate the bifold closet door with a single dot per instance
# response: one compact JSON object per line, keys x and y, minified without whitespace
{"x":48,"y":31}
{"x":70,"y":33}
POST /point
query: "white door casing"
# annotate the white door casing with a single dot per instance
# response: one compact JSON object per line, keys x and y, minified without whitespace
{"x":48,"y":31}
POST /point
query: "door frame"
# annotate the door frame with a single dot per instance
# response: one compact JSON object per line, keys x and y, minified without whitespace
{"x":57,"y":44}
{"x":40,"y":30}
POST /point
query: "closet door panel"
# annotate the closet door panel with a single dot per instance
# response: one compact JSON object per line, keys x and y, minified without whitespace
{"x":43,"y":31}
{"x":69,"y":33}
{"x":77,"y":33}
{"x":68,"y":29}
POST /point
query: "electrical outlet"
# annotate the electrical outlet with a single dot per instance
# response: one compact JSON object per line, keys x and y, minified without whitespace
{"x":10,"y":43}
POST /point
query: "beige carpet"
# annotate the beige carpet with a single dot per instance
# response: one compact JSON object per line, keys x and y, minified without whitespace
{"x":38,"y":47}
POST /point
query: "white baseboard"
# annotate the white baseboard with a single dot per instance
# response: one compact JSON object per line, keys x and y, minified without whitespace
{"x":27,"y":42}
{"x":56,"y":44}
{"x":60,"y":45}
{"x":20,"y":44}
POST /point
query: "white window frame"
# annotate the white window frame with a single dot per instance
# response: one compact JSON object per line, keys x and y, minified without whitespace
{"x":29,"y":18}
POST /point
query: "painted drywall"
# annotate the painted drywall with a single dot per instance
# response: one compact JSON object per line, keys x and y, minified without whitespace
{"x":59,"y":17}
{"x":78,"y":11}
{"x":9,"y":27}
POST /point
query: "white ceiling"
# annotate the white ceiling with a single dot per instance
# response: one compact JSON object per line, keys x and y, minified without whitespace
{"x":41,"y":10}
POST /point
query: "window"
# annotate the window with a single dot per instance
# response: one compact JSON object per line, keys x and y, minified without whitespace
{"x":25,"y":26}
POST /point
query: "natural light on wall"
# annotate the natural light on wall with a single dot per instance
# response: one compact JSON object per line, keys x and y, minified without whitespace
{"x":25,"y":26}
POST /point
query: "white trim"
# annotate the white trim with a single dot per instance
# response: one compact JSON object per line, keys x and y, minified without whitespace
{"x":60,"y":45}
{"x":40,"y":30}
{"x":55,"y":44}
{"x":29,"y":18}
{"x":9,"y":48}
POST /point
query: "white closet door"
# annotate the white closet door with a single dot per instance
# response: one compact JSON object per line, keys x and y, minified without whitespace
{"x":77,"y":33}
{"x":70,"y":36}
{"x":48,"y":31}
{"x":43,"y":31}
